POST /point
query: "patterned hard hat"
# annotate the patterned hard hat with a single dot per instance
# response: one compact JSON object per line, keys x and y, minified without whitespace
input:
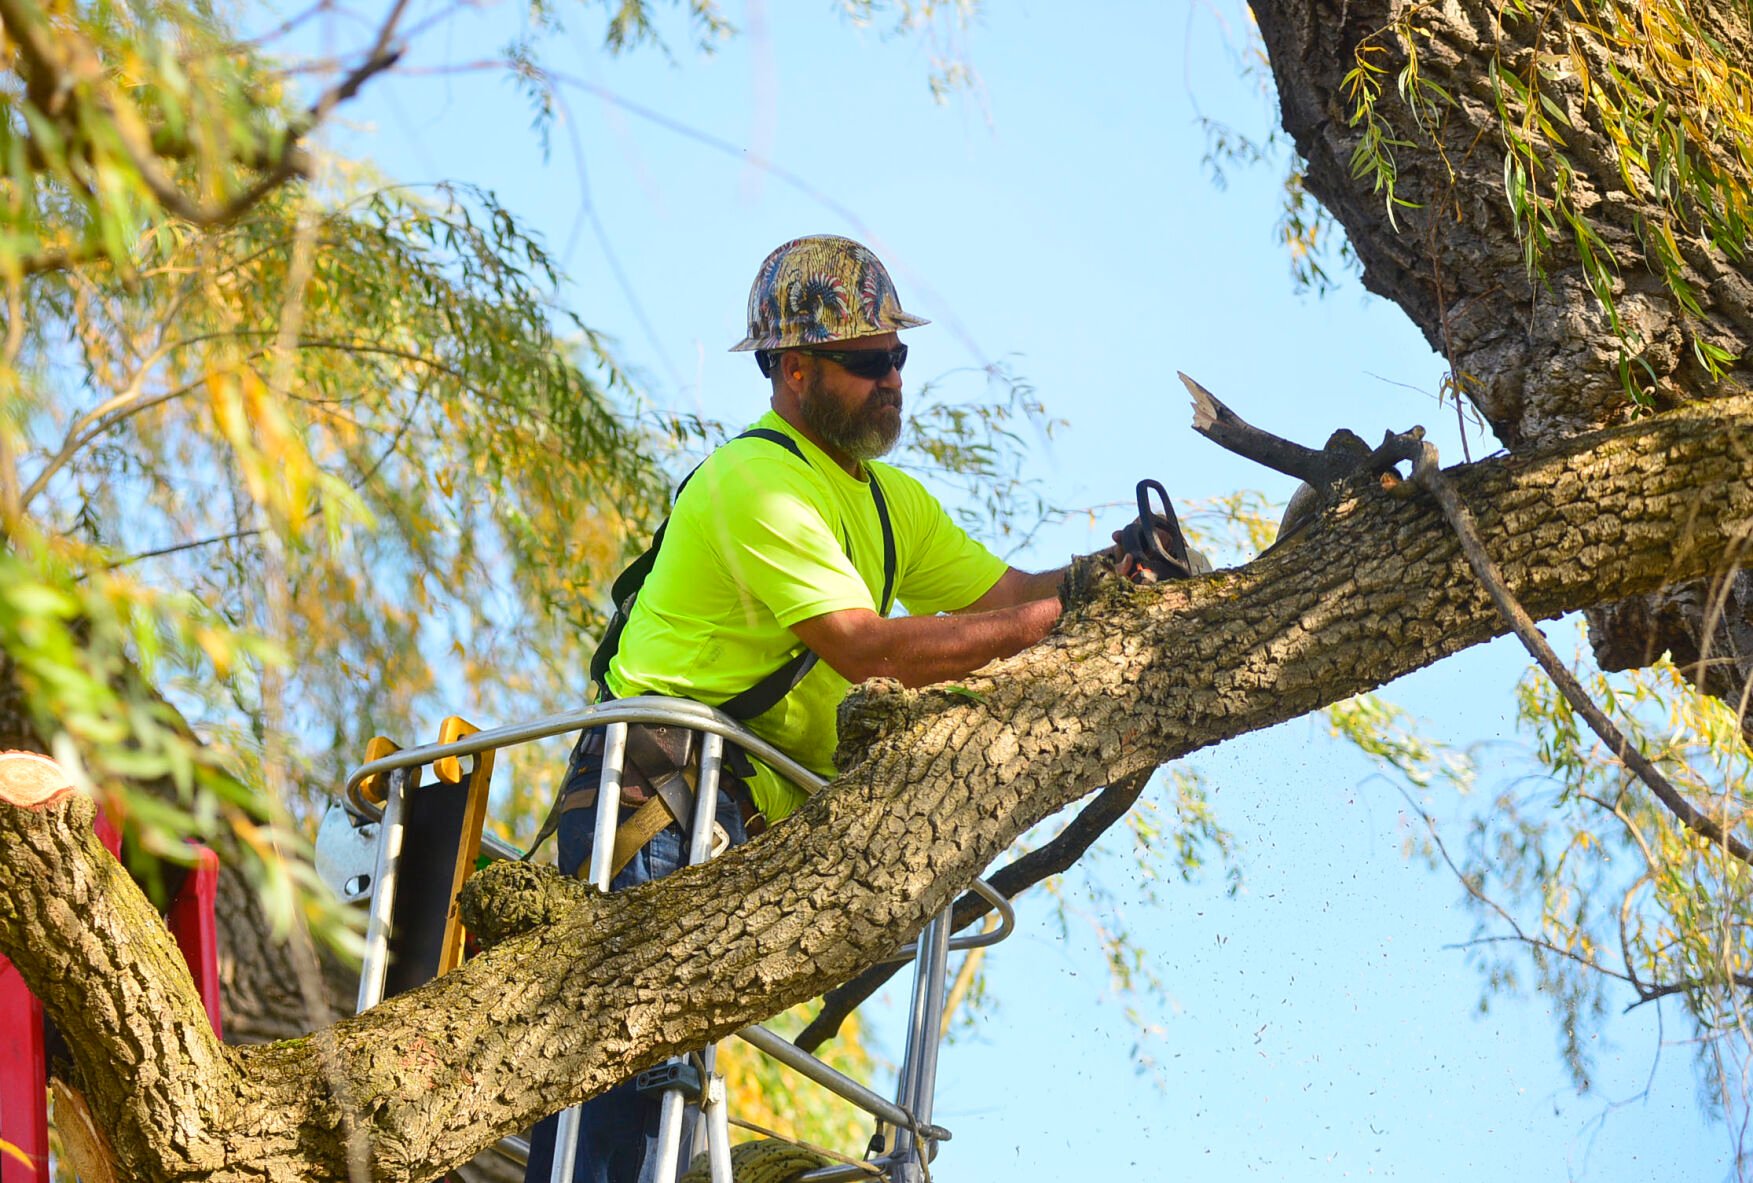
{"x":819,"y":289}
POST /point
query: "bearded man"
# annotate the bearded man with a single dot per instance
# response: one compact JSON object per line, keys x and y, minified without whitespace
{"x":771,"y":590}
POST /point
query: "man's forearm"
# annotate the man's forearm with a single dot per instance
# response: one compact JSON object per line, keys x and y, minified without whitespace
{"x":920,"y":650}
{"x":1016,"y":587}
{"x":1040,"y":585}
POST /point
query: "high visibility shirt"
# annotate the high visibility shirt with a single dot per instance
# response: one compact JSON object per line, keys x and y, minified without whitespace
{"x":759,"y":541}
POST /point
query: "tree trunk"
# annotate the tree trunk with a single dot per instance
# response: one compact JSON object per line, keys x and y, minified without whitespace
{"x":578,"y":989}
{"x":260,"y":996}
{"x":1535,"y":355}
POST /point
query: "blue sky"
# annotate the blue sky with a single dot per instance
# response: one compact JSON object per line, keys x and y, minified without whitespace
{"x":1321,"y":1024}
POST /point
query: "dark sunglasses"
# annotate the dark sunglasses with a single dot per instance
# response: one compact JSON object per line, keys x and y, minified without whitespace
{"x":864,"y":363}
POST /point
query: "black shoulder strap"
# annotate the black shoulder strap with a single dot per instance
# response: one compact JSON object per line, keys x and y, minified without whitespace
{"x":627,"y":584}
{"x":882,"y":507}
{"x":765,"y":694}
{"x":772,"y":437}
{"x":633,"y":578}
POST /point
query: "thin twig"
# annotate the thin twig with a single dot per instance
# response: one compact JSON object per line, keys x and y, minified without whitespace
{"x":1652,"y":993}
{"x":129,"y":403}
{"x":117,"y":414}
{"x":357,"y":484}
{"x":178,"y":548}
{"x":1515,"y":934}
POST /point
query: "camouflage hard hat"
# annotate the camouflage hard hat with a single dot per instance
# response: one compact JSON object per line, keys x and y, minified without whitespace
{"x":819,"y":289}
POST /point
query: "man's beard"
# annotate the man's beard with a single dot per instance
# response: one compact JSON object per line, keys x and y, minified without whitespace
{"x":863,"y":434}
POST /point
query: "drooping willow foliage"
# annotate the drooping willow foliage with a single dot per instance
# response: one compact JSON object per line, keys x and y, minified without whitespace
{"x":1644,"y":91}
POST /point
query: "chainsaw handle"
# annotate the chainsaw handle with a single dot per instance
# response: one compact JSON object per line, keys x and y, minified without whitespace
{"x":1173,"y":563}
{"x":1147,"y":539}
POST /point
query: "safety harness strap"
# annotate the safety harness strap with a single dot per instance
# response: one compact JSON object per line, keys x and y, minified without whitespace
{"x":672,"y":801}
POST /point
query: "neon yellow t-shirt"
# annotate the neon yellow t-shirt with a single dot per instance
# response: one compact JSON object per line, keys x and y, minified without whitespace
{"x":759,"y":541}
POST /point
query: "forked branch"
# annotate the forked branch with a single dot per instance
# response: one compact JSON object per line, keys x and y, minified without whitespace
{"x":1341,"y":460}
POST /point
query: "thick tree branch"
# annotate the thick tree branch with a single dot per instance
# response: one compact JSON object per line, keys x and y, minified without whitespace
{"x":936,"y":785}
{"x":143,"y":1049}
{"x":1053,"y":857}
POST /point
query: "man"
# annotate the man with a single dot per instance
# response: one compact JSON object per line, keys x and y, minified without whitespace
{"x":793,"y":540}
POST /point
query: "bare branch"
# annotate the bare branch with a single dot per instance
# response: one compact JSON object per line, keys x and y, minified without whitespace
{"x":95,"y":423}
{"x":1653,"y":993}
{"x":1222,"y":426}
{"x":58,"y":258}
{"x":1515,"y":934}
{"x":130,"y":402}
{"x":56,"y":61}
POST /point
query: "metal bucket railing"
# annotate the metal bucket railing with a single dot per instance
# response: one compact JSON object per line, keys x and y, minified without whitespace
{"x":915,"y":1140}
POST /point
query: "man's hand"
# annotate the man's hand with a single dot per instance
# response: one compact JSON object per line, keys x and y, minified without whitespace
{"x":1128,"y":566}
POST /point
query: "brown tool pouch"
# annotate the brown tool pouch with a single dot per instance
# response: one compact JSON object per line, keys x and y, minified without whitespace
{"x":657,"y":781}
{"x":654,"y":754}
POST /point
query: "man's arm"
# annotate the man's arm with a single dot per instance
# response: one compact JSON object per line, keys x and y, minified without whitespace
{"x":1018,"y":587}
{"x":920,"y":650}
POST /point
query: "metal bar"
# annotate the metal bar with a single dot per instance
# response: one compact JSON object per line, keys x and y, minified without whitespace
{"x":376,"y":962}
{"x":838,"y":1083}
{"x":642,"y":709}
{"x":498,"y":847}
{"x":699,"y":851}
{"x":669,"y":1136}
{"x":917,"y":1144}
{"x":979,"y":940}
{"x":915,"y":1018}
{"x":905,"y":1169}
{"x":705,"y":799}
{"x":565,"y":1145}
{"x":715,"y":1116}
{"x":602,"y":852}
{"x":925,"y":1088}
{"x":697,"y":1141}
{"x":515,"y":1148}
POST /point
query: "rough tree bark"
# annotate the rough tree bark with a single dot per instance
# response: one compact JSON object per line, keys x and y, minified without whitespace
{"x":260,"y":993}
{"x":1539,"y":356}
{"x":937,"y":783}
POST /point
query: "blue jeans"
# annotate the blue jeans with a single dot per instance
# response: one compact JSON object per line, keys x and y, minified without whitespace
{"x":617,"y":1134}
